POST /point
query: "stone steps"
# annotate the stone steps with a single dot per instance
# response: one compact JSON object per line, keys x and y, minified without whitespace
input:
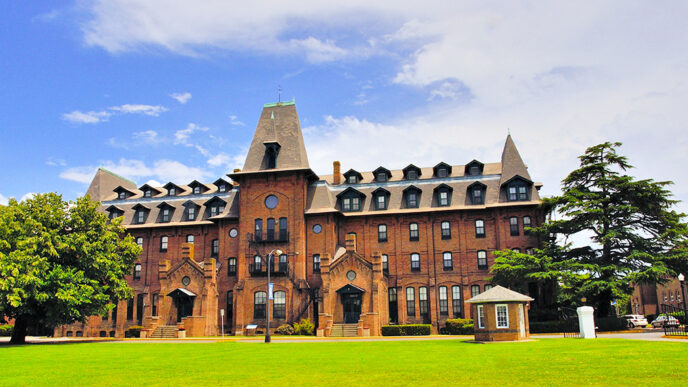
{"x":165,"y":332}
{"x":344,"y":330}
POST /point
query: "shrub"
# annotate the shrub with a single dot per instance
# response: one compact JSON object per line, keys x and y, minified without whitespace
{"x":459,"y":326}
{"x":134,"y":331}
{"x":406,"y":330}
{"x":305,"y":327}
{"x":607,"y":324}
{"x":284,"y":329}
{"x":679,"y":316}
{"x":556,"y":326}
{"x":6,"y":330}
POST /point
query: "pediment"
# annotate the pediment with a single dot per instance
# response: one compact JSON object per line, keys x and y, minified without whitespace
{"x":351,"y":259}
{"x":186,"y":265}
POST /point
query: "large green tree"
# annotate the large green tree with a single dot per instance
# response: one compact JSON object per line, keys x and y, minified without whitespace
{"x":634,"y":234}
{"x":60,"y":262}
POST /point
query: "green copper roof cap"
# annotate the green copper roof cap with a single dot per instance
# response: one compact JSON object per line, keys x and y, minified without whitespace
{"x":285,"y":103}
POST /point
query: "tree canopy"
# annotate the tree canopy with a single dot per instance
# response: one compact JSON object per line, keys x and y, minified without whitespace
{"x":60,"y":262}
{"x":635,"y":235}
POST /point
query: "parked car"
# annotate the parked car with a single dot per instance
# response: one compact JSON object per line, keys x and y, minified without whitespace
{"x":662,"y":320}
{"x":635,"y":320}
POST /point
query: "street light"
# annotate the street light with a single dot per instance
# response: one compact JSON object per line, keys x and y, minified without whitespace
{"x":271,"y":256}
{"x":681,"y":280}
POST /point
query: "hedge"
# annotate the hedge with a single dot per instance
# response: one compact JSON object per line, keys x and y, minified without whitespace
{"x":6,"y":330}
{"x":604,"y":324}
{"x":406,"y":330}
{"x":459,"y":326}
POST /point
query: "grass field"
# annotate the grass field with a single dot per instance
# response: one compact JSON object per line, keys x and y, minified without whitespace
{"x":448,"y":362}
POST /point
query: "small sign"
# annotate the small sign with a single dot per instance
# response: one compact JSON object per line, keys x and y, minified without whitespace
{"x":270,"y":286}
{"x":222,"y":312}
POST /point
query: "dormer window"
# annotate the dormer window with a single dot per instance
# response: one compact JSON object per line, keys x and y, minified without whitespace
{"x":215,"y":206}
{"x":222,"y":186}
{"x":141,"y":214}
{"x":147,"y":193}
{"x":114,"y":212}
{"x":197,"y":188}
{"x":476,"y":192}
{"x":353,"y":177}
{"x":191,"y":211}
{"x":165,"y":213}
{"x":517,"y":190}
{"x":271,"y":152}
{"x":442,"y":170}
{"x":382,"y":174}
{"x":411,"y":172}
{"x":351,"y":200}
{"x":474,"y":168}
{"x":123,"y":193}
{"x":412,"y":197}
{"x":381,"y":197}
{"x":172,"y":191}
{"x":443,"y":195}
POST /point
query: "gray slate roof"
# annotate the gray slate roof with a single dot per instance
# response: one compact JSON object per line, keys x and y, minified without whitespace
{"x":499,"y":294}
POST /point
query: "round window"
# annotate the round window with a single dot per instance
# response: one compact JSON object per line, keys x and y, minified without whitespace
{"x":186,"y":280}
{"x":271,"y":202}
{"x":351,"y":275}
{"x":233,"y":233}
{"x":317,"y":228}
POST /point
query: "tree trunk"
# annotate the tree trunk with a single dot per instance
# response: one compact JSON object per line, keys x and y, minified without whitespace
{"x":19,"y":331}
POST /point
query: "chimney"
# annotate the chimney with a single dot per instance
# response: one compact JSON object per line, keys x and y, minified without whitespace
{"x":350,"y":242}
{"x":236,"y":170}
{"x":188,"y":251}
{"x":336,"y":176}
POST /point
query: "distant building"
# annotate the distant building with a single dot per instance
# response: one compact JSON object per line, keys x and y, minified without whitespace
{"x":647,"y":299}
{"x":361,"y":249}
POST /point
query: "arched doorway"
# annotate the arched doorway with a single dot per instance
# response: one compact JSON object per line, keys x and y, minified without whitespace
{"x":183,"y":301}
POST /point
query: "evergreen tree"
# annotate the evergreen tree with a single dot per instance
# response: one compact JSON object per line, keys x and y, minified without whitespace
{"x":60,"y":262}
{"x":635,"y":235}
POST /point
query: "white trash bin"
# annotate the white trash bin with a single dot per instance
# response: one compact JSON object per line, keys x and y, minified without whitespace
{"x":586,"y":321}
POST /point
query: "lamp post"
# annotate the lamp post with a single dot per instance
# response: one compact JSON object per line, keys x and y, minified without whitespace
{"x":681,"y":280}
{"x":267,"y":302}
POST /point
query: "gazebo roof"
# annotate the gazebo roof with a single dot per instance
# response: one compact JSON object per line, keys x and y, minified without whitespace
{"x":499,"y":294}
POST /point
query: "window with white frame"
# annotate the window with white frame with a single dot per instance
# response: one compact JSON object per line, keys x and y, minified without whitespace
{"x":415,"y":262}
{"x":189,"y":238}
{"x":382,"y":233}
{"x":447,"y":261}
{"x":502,"y":314}
{"x":481,"y":317}
{"x":413,"y":231}
{"x":279,"y":306}
{"x":444,"y":302}
{"x":410,"y":302}
{"x":445,"y":227}
{"x":163,"y":243}
{"x":482,"y":260}
{"x":475,"y":290}
{"x":456,"y":301}
{"x":385,"y":262}
{"x":480,"y":228}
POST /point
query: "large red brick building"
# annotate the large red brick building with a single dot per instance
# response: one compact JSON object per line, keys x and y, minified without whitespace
{"x":352,"y":251}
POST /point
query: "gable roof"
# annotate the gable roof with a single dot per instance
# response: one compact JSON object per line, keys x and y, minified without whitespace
{"x":499,"y":294}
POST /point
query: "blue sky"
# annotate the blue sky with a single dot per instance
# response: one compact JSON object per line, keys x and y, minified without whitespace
{"x":171,"y":91}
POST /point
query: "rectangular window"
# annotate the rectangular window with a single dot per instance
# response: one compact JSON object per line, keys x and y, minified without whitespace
{"x":522,"y":193}
{"x":137,"y":271}
{"x":191,"y":213}
{"x":412,"y":175}
{"x":130,"y":309}
{"x":352,"y":179}
{"x":259,"y":300}
{"x":229,"y":313}
{"x":172,"y":191}
{"x":446,"y":229}
{"x":443,"y":198}
{"x":474,"y":171}
{"x":316,"y":263}
{"x":381,"y":202}
{"x":381,"y":177}
{"x":279,"y":305}
{"x":415,"y":262}
{"x":475,"y":290}
{"x":481,"y":317}
{"x":392,"y":302}
{"x":346,"y":204}
{"x":444,"y":302}
{"x":355,"y":204}
{"x":447,"y":261}
{"x":215,"y":247}
{"x":258,"y":229}
{"x":231,"y":266}
{"x":477,"y":196}
{"x":413,"y":231}
{"x":442,"y":172}
{"x":487,"y":287}
{"x":165,"y":215}
{"x":385,"y":263}
{"x":154,"y":305}
{"x":140,"y":216}
{"x":527,"y":222}
{"x":283,"y":229}
{"x":512,"y":194}
{"x":139,"y":241}
{"x":410,"y":302}
{"x":480,"y":228}
{"x":502,"y":312}
{"x":412,"y":200}
{"x":190,"y":238}
{"x":513,"y":226}
{"x":423,"y":300}
{"x":382,"y":233}
{"x":482,"y":260}
{"x":456,"y":301}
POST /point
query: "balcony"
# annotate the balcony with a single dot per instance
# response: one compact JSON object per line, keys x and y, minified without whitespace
{"x":260,"y":270}
{"x":269,"y":237}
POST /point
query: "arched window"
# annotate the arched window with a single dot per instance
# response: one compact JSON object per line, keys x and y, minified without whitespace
{"x":283,"y":229}
{"x":527,"y":222}
{"x":482,"y":260}
{"x":279,"y":306}
{"x":411,"y":302}
{"x":257,"y":263}
{"x":456,"y":301}
{"x":447,"y":261}
{"x":445,"y":227}
{"x":259,"y":229}
{"x":189,"y":238}
{"x":479,"y":228}
{"x":513,"y":226}
{"x":382,"y":233}
{"x":231,"y":266}
{"x":413,"y":231}
{"x":475,"y":290}
{"x":137,"y":271}
{"x":139,"y":241}
{"x":259,"y":300}
{"x":385,"y":263}
{"x":423,"y":304}
{"x":415,"y":262}
{"x":444,"y":302}
{"x":316,"y":263}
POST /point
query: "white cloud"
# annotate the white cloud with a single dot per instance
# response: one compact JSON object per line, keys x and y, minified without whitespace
{"x":182,"y":98}
{"x":160,"y":170}
{"x":4,"y":200}
{"x":150,"y":137}
{"x":27,"y":196}
{"x":234,"y":120}
{"x":56,"y":162}
{"x":91,"y":117}
{"x":318,"y":51}
{"x":219,"y":159}
{"x":182,"y":136}
{"x":149,"y":110}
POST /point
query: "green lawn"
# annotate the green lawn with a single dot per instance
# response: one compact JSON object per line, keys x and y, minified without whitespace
{"x":447,"y":362}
